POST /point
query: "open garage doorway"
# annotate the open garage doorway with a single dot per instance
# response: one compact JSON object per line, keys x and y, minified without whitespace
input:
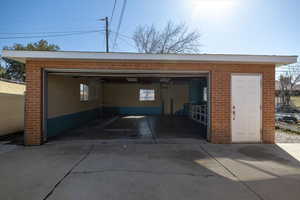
{"x":90,"y":105}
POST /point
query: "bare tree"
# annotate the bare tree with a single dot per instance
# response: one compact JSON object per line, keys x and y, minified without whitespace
{"x":289,"y":78}
{"x":174,"y":38}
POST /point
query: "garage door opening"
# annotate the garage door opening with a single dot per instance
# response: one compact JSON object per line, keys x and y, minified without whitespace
{"x":126,"y":106}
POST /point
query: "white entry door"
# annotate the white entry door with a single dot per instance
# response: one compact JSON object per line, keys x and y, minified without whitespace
{"x":246,"y":108}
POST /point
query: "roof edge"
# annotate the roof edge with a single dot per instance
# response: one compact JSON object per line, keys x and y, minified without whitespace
{"x":22,"y":56}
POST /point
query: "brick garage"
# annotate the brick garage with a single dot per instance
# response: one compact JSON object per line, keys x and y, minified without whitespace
{"x":219,"y":67}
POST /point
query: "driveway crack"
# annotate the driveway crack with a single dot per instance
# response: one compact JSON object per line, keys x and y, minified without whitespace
{"x":69,"y":172}
{"x":233,"y":174}
{"x":144,"y":172}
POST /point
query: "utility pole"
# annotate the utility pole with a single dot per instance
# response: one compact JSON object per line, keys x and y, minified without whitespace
{"x":106,"y":33}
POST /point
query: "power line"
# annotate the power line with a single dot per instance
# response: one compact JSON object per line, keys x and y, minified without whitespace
{"x":125,"y":39}
{"x":120,"y":22}
{"x":125,"y":36}
{"x":288,"y":72}
{"x":51,"y":32}
{"x":113,"y":11}
{"x":47,"y":36}
{"x":128,"y":43}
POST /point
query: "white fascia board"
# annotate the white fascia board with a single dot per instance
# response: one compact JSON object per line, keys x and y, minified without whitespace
{"x":23,"y":55}
{"x":116,"y":71}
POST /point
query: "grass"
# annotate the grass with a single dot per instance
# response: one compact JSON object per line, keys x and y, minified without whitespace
{"x":296,"y":101}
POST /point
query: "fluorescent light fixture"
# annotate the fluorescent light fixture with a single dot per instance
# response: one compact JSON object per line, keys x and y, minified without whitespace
{"x":131,"y":79}
{"x":165,"y":80}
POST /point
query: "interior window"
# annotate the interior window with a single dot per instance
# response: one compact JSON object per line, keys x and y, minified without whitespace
{"x":205,"y":94}
{"x":84,"y":92}
{"x":147,"y":95}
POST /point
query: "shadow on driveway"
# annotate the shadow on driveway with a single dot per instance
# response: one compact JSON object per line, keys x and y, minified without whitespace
{"x":81,"y":170}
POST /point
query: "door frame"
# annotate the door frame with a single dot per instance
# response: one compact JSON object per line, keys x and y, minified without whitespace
{"x":45,"y":105}
{"x":123,"y":73}
{"x":260,"y":75}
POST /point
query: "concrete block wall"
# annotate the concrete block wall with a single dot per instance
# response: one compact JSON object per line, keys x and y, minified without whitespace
{"x":64,"y":96}
{"x":220,"y":92}
{"x":124,"y":97}
{"x":65,"y":110}
{"x":180,"y":95}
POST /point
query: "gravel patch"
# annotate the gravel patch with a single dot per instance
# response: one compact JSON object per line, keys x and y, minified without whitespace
{"x":286,"y":137}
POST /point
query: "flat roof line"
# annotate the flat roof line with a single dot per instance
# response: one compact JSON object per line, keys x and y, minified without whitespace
{"x":22,"y":56}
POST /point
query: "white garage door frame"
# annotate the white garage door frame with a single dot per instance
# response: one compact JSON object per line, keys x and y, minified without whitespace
{"x":120,"y":73}
{"x":261,"y":105}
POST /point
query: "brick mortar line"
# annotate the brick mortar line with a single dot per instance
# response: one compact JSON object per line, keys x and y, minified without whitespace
{"x":69,"y":172}
{"x":233,"y":174}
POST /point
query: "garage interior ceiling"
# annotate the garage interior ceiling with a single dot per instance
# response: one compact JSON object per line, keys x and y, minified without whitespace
{"x":133,"y":78}
{"x":74,"y":74}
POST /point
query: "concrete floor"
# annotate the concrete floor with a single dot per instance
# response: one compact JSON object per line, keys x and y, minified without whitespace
{"x":195,"y":170}
{"x":146,"y":128}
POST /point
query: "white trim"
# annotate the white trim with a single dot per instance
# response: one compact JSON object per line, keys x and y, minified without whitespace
{"x":23,"y":55}
{"x":209,"y":102}
{"x":132,"y":75}
{"x":125,"y":73}
{"x":45,"y":106}
{"x":129,"y":71}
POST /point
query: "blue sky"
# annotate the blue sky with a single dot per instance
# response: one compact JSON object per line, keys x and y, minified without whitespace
{"x":227,"y":26}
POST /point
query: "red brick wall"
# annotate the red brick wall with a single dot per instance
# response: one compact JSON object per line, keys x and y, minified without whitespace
{"x":220,"y":92}
{"x":268,"y":112}
{"x":33,"y":105}
{"x":220,"y":107}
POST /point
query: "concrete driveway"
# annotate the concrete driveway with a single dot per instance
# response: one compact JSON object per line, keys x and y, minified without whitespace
{"x":169,"y":170}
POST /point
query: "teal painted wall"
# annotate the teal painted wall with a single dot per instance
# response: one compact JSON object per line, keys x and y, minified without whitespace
{"x":196,"y":91}
{"x":57,"y":125}
{"x":133,"y":110}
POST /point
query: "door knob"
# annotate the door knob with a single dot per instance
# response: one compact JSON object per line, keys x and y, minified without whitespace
{"x":233,"y":112}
